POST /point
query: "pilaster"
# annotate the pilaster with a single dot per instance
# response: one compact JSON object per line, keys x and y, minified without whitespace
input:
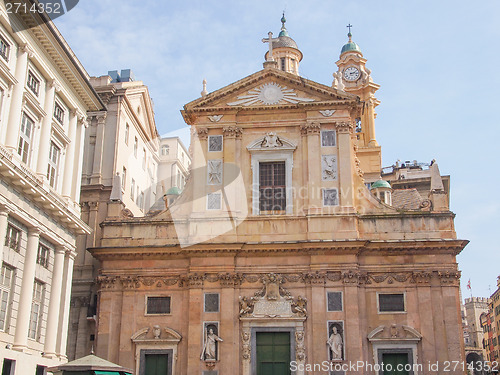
{"x":95,"y":178}
{"x":4,"y":214}
{"x":313,"y":160}
{"x":346,"y":163}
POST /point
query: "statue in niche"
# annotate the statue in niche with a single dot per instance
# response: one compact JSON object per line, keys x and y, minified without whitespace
{"x":336,"y":342}
{"x":271,"y":140}
{"x":210,"y":347}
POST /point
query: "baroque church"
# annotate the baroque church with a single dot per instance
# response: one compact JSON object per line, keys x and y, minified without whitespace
{"x":284,"y":252}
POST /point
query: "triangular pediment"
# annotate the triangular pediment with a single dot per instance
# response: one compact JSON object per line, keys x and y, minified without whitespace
{"x":270,"y":88}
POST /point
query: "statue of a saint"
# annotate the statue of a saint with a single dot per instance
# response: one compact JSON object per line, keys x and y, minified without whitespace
{"x":335,"y":343}
{"x":209,"y":352}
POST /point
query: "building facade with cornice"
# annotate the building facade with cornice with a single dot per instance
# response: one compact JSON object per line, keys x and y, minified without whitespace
{"x":44,"y":98}
{"x":276,"y":258}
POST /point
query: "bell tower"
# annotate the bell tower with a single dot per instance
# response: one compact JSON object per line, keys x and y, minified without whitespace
{"x":354,"y":77}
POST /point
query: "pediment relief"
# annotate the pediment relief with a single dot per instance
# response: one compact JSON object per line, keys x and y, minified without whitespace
{"x":271,"y":142}
{"x":269,"y":87}
{"x":272,"y":301}
{"x":394,"y":332}
{"x":156,"y":334}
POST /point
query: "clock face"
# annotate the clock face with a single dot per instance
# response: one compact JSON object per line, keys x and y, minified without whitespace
{"x":351,"y":73}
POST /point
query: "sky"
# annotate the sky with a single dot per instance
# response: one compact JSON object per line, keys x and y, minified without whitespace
{"x":435,"y":62}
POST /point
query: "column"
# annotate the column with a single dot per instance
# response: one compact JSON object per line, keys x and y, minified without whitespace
{"x":16,"y":104}
{"x":54,"y":304}
{"x":62,"y":332}
{"x":26,"y":296}
{"x":345,"y":165}
{"x":371,"y":123}
{"x":78,"y":159}
{"x":99,"y":145}
{"x":4,"y":214}
{"x":44,"y":148}
{"x":194,"y":339}
{"x":69,"y":163}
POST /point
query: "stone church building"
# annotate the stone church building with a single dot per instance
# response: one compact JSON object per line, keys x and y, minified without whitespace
{"x":276,"y":258}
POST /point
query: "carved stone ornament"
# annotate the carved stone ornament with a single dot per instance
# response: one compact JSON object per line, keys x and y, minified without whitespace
{"x":156,"y":335}
{"x":269,"y":94}
{"x":394,"y":333}
{"x":271,"y":142}
{"x":232,"y":132}
{"x":327,"y":112}
{"x":215,"y":118}
{"x":245,"y":340}
{"x":202,"y":133}
{"x":273,"y":301}
{"x":214,"y":176}
{"x":329,"y":167}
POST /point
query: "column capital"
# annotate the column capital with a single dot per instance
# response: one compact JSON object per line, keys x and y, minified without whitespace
{"x":60,"y":249}
{"x":53,"y":84}
{"x":202,"y":133}
{"x":34,"y":231}
{"x":71,"y":254}
{"x":310,"y":128}
{"x":4,"y":210}
{"x":25,"y":48}
{"x":101,"y":118}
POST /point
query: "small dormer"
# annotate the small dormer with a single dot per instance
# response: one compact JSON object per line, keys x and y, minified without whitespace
{"x":383,"y":191}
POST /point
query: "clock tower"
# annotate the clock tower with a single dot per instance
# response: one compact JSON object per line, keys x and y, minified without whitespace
{"x":354,"y":77}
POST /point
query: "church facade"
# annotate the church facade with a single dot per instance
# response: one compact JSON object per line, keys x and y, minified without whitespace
{"x":276,"y":258}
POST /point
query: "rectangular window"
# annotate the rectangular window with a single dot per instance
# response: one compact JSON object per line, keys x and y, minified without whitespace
{"x":144,"y":159}
{"x":13,"y":237}
{"x":53,"y":167}
{"x":157,"y":305}
{"x":211,"y":302}
{"x":136,"y":146}
{"x":41,"y":370}
{"x":33,"y":83}
{"x":4,"y":49}
{"x":9,"y":367}
{"x":272,"y":187}
{"x":214,"y":143}
{"x":282,"y":64}
{"x":42,"y":257}
{"x":6,"y":282}
{"x":165,"y":150}
{"x":214,"y":201}
{"x":25,"y":138}
{"x":334,"y":301}
{"x":59,"y":114}
{"x":132,"y":189}
{"x":330,"y":197}
{"x":36,"y":310}
{"x":140,"y":202}
{"x":124,"y":177}
{"x":127,"y":131}
{"x":394,"y":302}
{"x":328,"y":138}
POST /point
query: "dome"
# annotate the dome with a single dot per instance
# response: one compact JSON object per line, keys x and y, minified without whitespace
{"x":174,"y":190}
{"x":350,"y":46}
{"x":285,"y":41}
{"x":380,"y":184}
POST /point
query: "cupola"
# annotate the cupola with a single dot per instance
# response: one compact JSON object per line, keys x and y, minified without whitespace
{"x":382,"y":190}
{"x":283,"y":50}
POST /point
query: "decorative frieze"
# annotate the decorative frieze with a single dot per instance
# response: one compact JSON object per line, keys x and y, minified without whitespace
{"x":272,"y":283}
{"x":215,"y":118}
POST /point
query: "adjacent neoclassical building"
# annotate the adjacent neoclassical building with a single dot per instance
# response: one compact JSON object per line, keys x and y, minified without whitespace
{"x":276,"y":257}
{"x":44,"y":98}
{"x":122,"y":150}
